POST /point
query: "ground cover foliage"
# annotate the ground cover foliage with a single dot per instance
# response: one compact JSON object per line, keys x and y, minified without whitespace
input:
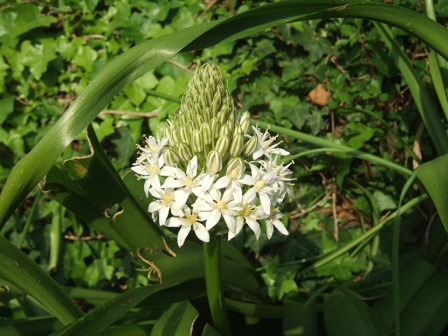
{"x":333,"y":79}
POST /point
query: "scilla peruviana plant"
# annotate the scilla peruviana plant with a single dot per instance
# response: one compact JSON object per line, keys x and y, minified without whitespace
{"x":209,"y":174}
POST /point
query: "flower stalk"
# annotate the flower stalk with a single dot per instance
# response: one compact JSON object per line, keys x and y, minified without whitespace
{"x":212,"y":264}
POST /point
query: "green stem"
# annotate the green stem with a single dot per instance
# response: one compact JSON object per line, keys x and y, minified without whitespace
{"x":212,"y":264}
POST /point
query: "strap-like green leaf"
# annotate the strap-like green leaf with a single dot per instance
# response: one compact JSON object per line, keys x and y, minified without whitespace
{"x":345,"y":314}
{"x":18,"y":269}
{"x":99,"y":319}
{"x":434,"y":176}
{"x":178,"y":320}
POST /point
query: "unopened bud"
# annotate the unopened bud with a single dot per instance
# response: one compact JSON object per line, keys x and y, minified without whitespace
{"x":215,"y":125}
{"x":207,"y":114}
{"x":170,"y":157}
{"x":245,"y":122}
{"x":250,"y":146}
{"x":206,"y":132}
{"x":237,"y":145}
{"x":216,"y":104}
{"x":222,"y":145}
{"x":184,"y":152}
{"x":224,"y":130}
{"x":183,"y":134}
{"x":197,"y":143}
{"x":214,"y":162}
{"x":222,"y":115}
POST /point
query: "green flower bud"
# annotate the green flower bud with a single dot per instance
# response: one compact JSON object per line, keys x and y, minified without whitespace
{"x":250,"y":146}
{"x":216,"y":104}
{"x":197,"y":143}
{"x":237,"y":145}
{"x":184,"y":152}
{"x":222,"y":116}
{"x":169,"y":134}
{"x":184,"y":136}
{"x":198,"y":121}
{"x":230,"y":124}
{"x":176,"y":136}
{"x":225,"y":130}
{"x":245,"y":122}
{"x":206,"y":132}
{"x":214,"y":162}
{"x":170,"y":157}
{"x":222,"y":145}
{"x":207,"y":114}
{"x":215,"y":126}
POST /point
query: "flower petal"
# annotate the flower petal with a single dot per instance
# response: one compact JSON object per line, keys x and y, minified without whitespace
{"x":213,"y":219}
{"x":254,"y":226}
{"x":265,"y":202}
{"x":182,"y":235}
{"x":280,"y":226}
{"x":201,"y":232}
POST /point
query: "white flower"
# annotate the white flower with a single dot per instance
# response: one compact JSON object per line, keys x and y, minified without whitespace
{"x":282,"y":178}
{"x":149,"y":169}
{"x":189,"y":220}
{"x":273,"y":220}
{"x":163,"y":205}
{"x":249,"y":214}
{"x":154,"y":146}
{"x":234,"y":175}
{"x":262,"y":185}
{"x":265,"y":146}
{"x":219,"y":205}
{"x":184,"y":183}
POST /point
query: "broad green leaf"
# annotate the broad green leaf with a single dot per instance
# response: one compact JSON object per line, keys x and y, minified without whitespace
{"x":109,"y":201}
{"x":411,"y":281}
{"x":383,"y":201}
{"x":345,"y":314}
{"x":6,"y":104}
{"x":434,"y":177}
{"x":426,"y":313}
{"x":178,"y":320}
{"x":299,"y":319}
{"x":99,"y":319}
{"x":30,"y":327}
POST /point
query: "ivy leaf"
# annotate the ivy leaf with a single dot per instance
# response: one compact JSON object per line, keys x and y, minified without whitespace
{"x":383,"y":201}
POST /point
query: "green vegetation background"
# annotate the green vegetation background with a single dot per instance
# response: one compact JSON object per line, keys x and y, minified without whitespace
{"x":333,"y":79}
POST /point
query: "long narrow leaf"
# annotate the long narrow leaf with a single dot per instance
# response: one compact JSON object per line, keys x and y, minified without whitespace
{"x":434,"y":176}
{"x":18,"y":269}
{"x":426,"y":107}
{"x":335,"y":146}
{"x":99,"y":319}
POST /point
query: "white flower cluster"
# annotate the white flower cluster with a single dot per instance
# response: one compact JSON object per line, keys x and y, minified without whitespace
{"x":207,"y":171}
{"x":242,"y":193}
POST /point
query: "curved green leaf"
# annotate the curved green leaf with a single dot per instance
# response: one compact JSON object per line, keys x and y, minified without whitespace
{"x":427,"y":314}
{"x":434,"y":177}
{"x":18,"y":269}
{"x":345,"y":314}
{"x":333,"y":145}
{"x":411,"y":280}
{"x":178,"y":320}
{"x":99,"y":319}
